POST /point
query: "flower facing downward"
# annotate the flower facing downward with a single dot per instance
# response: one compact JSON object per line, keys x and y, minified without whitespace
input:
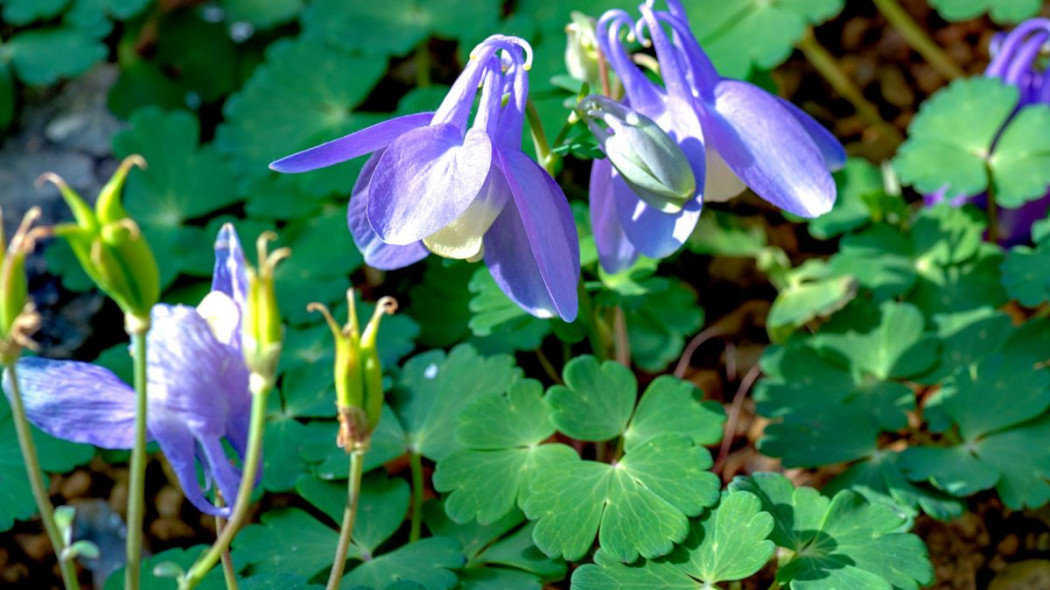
{"x":734,"y":134}
{"x":435,"y":183}
{"x":198,"y":386}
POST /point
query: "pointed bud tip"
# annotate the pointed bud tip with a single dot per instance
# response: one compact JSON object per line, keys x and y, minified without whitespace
{"x":50,"y":177}
{"x":133,"y":160}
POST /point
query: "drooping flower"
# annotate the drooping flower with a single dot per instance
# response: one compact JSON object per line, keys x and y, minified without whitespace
{"x":734,"y":134}
{"x":197,"y":386}
{"x":436,"y":184}
{"x":1015,"y":61}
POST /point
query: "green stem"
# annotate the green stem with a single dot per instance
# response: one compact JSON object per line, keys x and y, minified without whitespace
{"x":829,"y":68}
{"x":415,"y":462}
{"x":36,"y":481}
{"x":539,"y":138}
{"x":597,"y":332}
{"x":227,"y":563}
{"x":353,"y":491}
{"x":993,"y":207}
{"x":244,"y":494}
{"x":137,"y":475}
{"x":423,"y":66}
{"x":918,"y":39}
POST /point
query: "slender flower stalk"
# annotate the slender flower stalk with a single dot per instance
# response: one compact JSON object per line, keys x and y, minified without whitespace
{"x":346,"y":530}
{"x":415,"y":463}
{"x":137,"y":474}
{"x":918,"y":39}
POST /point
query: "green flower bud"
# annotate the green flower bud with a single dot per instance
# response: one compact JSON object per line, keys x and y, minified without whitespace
{"x":581,"y":50}
{"x":358,"y":372}
{"x":262,"y":333}
{"x":18,"y":318}
{"x":111,"y":248}
{"x":646,"y":157}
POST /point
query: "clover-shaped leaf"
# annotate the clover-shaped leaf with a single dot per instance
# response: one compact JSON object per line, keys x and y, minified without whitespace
{"x":992,"y":403}
{"x":962,"y":287}
{"x":839,"y":542}
{"x":435,"y":388}
{"x":729,"y":543}
{"x":879,"y":258}
{"x":285,"y":107}
{"x":395,"y":28}
{"x":1001,"y":11}
{"x":811,"y":292}
{"x":880,"y":480}
{"x":967,"y":136}
{"x":285,"y":439}
{"x":596,"y":401}
{"x":966,"y":338}
{"x":43,"y":56}
{"x":181,"y":558}
{"x":1025,"y":274}
{"x":384,"y":500}
{"x":23,"y":12}
{"x":501,"y":436}
{"x":741,"y":35}
{"x":670,"y":405}
{"x":639,"y":506}
{"x":887,"y":342}
{"x":290,"y":540}
{"x":836,"y":434}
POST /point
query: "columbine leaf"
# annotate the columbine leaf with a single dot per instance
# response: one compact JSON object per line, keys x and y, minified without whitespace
{"x":43,"y":56}
{"x":397,"y":27}
{"x":741,"y":35}
{"x":501,"y":436}
{"x":879,"y":258}
{"x":837,"y":434}
{"x":896,"y":346}
{"x":995,"y":393}
{"x":951,"y":140}
{"x":277,"y":581}
{"x":966,"y":338}
{"x":285,"y":107}
{"x":440,"y":302}
{"x":812,"y":292}
{"x":499,"y":323}
{"x":428,"y":563}
{"x":670,"y":406}
{"x":285,"y":439}
{"x":880,"y":480}
{"x":1002,"y":11}
{"x":181,"y":558}
{"x":728,"y":543}
{"x":330,"y":462}
{"x":286,"y":540}
{"x":638,"y":507}
{"x":1025,"y":274}
{"x":596,"y":401}
{"x":841,"y":542}
{"x":721,"y":234}
{"x":384,"y":500}
{"x":435,"y":388}
{"x":23,"y":12}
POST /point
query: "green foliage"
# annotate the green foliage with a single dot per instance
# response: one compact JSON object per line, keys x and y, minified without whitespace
{"x":498,"y":322}
{"x":1001,"y":11}
{"x":812,"y":291}
{"x":728,"y":543}
{"x":43,"y":56}
{"x":967,"y":139}
{"x":1025,"y":274}
{"x":838,"y":542}
{"x":741,"y":36}
{"x":173,"y":560}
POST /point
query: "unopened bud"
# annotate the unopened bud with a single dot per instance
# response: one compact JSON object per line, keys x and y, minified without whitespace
{"x":647,"y":158}
{"x":263,"y":333}
{"x":358,"y":372}
{"x":111,"y":248}
{"x":581,"y":50}
{"x":18,"y":318}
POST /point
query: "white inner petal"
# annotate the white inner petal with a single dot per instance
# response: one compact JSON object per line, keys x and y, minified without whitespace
{"x":463,"y":238}
{"x":221,"y":313}
{"x":721,"y":184}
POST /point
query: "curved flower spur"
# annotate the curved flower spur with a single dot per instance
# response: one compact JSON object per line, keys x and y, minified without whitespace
{"x":748,"y":138}
{"x":198,"y":386}
{"x":435,"y":184}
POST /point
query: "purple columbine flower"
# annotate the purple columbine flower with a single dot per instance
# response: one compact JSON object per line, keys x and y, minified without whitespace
{"x":734,"y":134}
{"x":197,"y":386}
{"x":1015,"y":61}
{"x":436,"y":184}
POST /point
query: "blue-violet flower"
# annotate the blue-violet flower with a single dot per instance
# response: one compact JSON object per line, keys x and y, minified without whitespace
{"x":197,"y":384}
{"x":436,"y":184}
